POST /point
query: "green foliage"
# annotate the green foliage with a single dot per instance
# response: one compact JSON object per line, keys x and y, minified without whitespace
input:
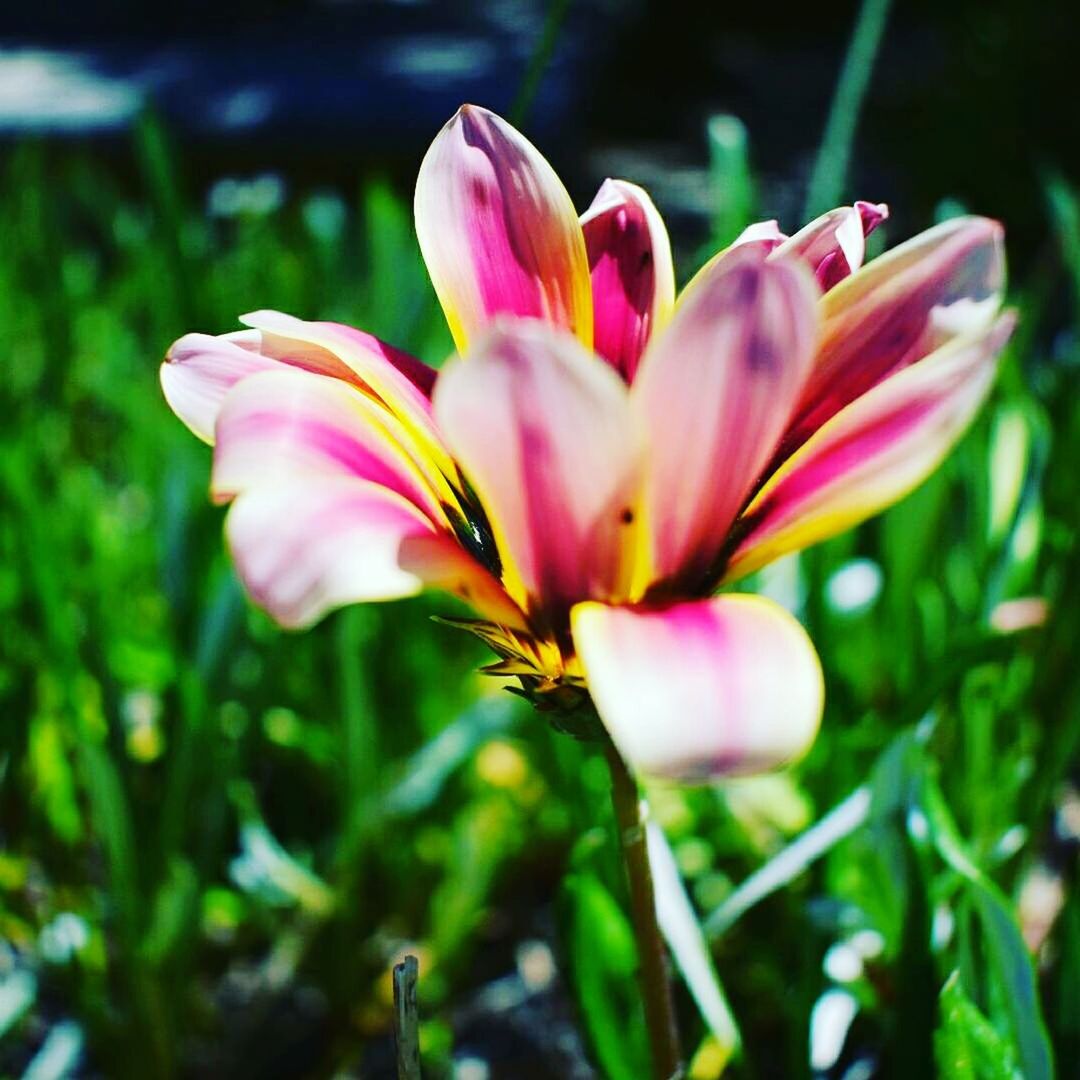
{"x":217,"y":838}
{"x":731,"y":181}
{"x":601,"y":944}
{"x":829,"y":177}
{"x":966,"y":1045}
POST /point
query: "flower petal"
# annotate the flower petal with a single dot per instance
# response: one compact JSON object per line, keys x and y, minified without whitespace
{"x":703,"y":689}
{"x":441,"y":563}
{"x":766,"y":233}
{"x":873,"y":452}
{"x":633,"y":278}
{"x":498,"y":230}
{"x":389,"y":376}
{"x":421,"y":375}
{"x":199,"y":370}
{"x":306,"y":546}
{"x":287,"y":424}
{"x":544,"y":432}
{"x":714,"y":393}
{"x":835,"y":244}
{"x":762,"y":236}
{"x":898,"y":309}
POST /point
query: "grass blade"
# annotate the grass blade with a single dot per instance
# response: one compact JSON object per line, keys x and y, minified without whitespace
{"x":679,"y":924}
{"x":538,"y":62}
{"x":838,"y":823}
{"x":829,"y":177}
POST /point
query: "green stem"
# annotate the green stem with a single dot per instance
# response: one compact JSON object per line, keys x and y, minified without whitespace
{"x":653,"y":979}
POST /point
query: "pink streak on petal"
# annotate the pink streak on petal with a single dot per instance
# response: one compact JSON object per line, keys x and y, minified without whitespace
{"x":305,"y":547}
{"x":898,"y":309}
{"x":200,"y":369}
{"x":416,"y":371}
{"x":700,"y":690}
{"x":873,"y":452}
{"x":345,"y":353}
{"x":872,"y":214}
{"x":713,"y":394}
{"x":310,"y":544}
{"x":633,"y":282}
{"x":289,"y":423}
{"x":544,"y":433}
{"x":498,"y":230}
{"x":374,"y":367}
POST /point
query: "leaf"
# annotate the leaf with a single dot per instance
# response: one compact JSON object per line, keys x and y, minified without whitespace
{"x":59,"y":1055}
{"x":1007,"y":954}
{"x":218,"y":624}
{"x":829,"y":177}
{"x":430,"y":767}
{"x":1065,"y":216}
{"x":115,"y":829}
{"x":486,"y":834}
{"x":886,"y":793}
{"x":839,"y":823}
{"x":54,"y":778}
{"x":731,"y":182}
{"x":1009,"y":459}
{"x":425,"y":774}
{"x":603,"y":959}
{"x":966,"y":1044}
{"x":173,"y":912}
{"x":355,"y":628}
{"x":681,"y":930}
{"x":18,"y":992}
{"x":266,"y":870}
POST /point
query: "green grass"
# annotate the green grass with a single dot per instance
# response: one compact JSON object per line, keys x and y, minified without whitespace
{"x":216,"y":838}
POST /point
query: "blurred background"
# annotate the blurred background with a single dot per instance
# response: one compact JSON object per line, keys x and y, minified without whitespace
{"x":216,"y":839}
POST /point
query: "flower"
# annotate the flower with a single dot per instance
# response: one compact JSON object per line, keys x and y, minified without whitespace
{"x":600,"y":459}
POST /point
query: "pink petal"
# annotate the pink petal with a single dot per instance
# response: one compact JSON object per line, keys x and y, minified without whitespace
{"x":200,"y":369}
{"x":306,"y":546}
{"x":441,"y":563}
{"x":309,"y":545}
{"x":498,"y":231}
{"x":421,"y":375}
{"x":703,"y":689}
{"x":873,"y":452}
{"x":871,"y":215}
{"x":378,"y":369}
{"x":766,"y":233}
{"x":898,"y":309}
{"x":763,"y":237}
{"x":835,"y":244}
{"x":633,"y":279}
{"x":544,"y":433}
{"x":714,"y":393}
{"x":288,"y":424}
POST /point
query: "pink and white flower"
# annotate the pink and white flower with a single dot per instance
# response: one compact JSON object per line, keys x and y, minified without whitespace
{"x":600,"y":458}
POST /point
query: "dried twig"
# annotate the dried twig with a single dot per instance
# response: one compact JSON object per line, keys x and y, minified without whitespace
{"x":407,"y":1019}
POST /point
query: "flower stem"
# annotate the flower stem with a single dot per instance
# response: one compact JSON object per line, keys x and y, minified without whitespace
{"x":653,"y":980}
